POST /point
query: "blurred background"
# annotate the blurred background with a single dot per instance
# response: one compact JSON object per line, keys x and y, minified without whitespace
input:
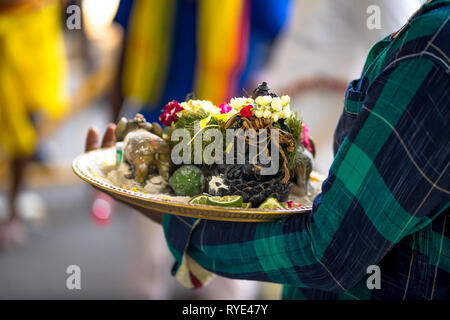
{"x":68,"y":65}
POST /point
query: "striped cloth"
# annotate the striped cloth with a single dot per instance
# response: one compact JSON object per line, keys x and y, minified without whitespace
{"x":178,"y":48}
{"x":385,"y":201}
{"x":175,"y":47}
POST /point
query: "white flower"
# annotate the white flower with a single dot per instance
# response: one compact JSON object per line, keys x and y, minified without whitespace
{"x":276,"y":104}
{"x":286,"y":112}
{"x":238,"y":103}
{"x":205,"y":105}
{"x":248,"y":101}
{"x":285,"y":100}
{"x":185,"y":106}
{"x":231,"y":113}
{"x":259,"y":113}
{"x":275,"y":116}
{"x":267,"y":114}
{"x":263,"y":100}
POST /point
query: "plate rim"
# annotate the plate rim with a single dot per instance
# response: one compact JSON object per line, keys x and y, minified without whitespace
{"x":247,"y":214}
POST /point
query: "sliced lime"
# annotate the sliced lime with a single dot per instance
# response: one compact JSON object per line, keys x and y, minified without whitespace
{"x":200,"y":199}
{"x":226,"y":201}
{"x":271,"y":203}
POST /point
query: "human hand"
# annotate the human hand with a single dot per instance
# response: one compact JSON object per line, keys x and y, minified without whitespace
{"x":109,"y":140}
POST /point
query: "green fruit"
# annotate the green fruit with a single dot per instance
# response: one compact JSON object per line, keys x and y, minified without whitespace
{"x":187,"y":180}
{"x":226,"y":201}
{"x":200,"y":199}
{"x":271,"y":203}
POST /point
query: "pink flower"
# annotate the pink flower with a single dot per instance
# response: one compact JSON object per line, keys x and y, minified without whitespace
{"x":225,"y":108}
{"x":305,"y":137}
{"x":246,"y":111}
{"x":169,"y":115}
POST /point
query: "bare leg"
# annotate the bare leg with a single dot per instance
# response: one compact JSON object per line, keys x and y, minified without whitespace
{"x":12,"y":231}
{"x":17,"y":167}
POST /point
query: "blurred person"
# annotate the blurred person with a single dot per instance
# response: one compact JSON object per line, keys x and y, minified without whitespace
{"x":175,"y":48}
{"x":207,"y":49}
{"x":32,"y":89}
{"x":385,"y":203}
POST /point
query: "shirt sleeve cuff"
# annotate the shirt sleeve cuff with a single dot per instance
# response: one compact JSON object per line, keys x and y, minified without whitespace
{"x":187,"y":271}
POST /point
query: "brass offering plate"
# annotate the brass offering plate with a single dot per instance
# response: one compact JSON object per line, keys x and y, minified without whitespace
{"x":93,"y":167}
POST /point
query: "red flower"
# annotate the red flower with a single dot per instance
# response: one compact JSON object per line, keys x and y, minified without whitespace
{"x":173,"y":105}
{"x":169,"y":115}
{"x":292,"y":204}
{"x":246,"y":111}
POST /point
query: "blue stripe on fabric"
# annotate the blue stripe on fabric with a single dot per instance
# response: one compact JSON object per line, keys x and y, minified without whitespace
{"x":182,"y":62}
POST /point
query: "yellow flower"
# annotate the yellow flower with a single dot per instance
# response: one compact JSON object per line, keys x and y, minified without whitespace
{"x":267,"y":114}
{"x":275,"y":116}
{"x":285,"y":100}
{"x":249,"y":101}
{"x":185,"y":106}
{"x":276,"y":104}
{"x":237,"y":103}
{"x":286,"y":112}
{"x":263,"y":100}
{"x":259,"y":113}
{"x":192,"y":105}
{"x":222,"y":117}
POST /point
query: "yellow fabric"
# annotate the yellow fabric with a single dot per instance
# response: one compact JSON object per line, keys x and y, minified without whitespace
{"x":190,"y":266}
{"x":148,"y":49}
{"x":219,"y":29}
{"x":219,"y":48}
{"x":33,"y":71}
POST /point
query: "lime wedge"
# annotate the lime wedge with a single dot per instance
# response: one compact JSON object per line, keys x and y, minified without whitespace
{"x":246,"y":205}
{"x":226,"y":201}
{"x":271,"y":203}
{"x":200,"y":199}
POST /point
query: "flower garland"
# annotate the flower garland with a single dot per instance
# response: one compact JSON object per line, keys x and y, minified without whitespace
{"x":263,"y":107}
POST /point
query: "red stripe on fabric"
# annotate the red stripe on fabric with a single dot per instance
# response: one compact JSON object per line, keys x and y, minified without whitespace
{"x":197,"y":284}
{"x":395,"y":34}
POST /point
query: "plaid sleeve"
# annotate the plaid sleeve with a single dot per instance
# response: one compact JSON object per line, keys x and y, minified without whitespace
{"x":388,"y":180}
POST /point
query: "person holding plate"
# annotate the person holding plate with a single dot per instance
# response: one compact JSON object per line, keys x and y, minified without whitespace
{"x":384,"y":206}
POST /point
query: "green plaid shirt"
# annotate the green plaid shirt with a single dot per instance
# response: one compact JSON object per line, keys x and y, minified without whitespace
{"x":385,"y":201}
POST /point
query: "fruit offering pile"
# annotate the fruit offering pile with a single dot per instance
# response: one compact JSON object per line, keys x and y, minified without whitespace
{"x":241,"y":184}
